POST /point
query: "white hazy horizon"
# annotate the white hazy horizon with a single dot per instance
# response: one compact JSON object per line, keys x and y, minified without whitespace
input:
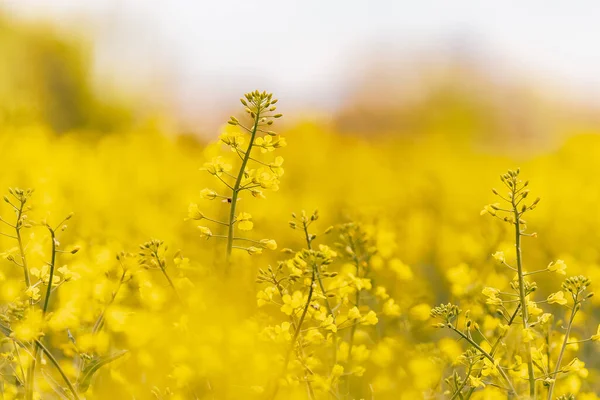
{"x":308,"y":51}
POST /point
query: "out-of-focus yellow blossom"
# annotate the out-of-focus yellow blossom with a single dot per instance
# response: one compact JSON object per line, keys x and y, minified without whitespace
{"x":208,"y":194}
{"x":269,"y":244}
{"x":291,"y":303}
{"x":596,"y":337}
{"x":476,"y":382}
{"x":499,"y":256}
{"x":252,"y":250}
{"x":381,"y":292}
{"x":492,"y":299}
{"x":67,"y":274}
{"x":527,"y":335}
{"x":244,"y":221}
{"x":461,"y":277}
{"x":545,"y":318}
{"x":390,"y":308}
{"x":354,"y":313}
{"x":558,"y":266}
{"x":33,"y":292}
{"x":420,"y":312}
{"x":576,"y":365}
{"x":557,"y":298}
{"x":337,"y":370}
{"x":276,"y":166}
{"x":194,"y":212}
{"x":370,"y":318}
{"x":30,"y":327}
{"x":205,"y":231}
{"x":43,"y":274}
{"x":265,"y":296}
{"x":330,"y":325}
{"x":533,"y":309}
{"x":402,"y":271}
{"x":217,"y":166}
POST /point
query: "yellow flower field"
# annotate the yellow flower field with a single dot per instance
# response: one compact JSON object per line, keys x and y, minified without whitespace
{"x":291,"y":260}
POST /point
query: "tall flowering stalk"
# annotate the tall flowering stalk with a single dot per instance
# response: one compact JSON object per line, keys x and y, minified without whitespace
{"x":489,"y":362}
{"x":356,"y":245}
{"x":317,"y":298}
{"x":517,"y":193}
{"x":253,"y":174}
{"x":25,"y":326}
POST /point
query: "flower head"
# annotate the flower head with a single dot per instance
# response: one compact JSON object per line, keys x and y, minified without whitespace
{"x":557,"y":298}
{"x":558,"y":266}
{"x":244,"y":221}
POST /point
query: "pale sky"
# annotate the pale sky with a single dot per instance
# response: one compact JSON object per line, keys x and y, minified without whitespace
{"x":308,"y":50}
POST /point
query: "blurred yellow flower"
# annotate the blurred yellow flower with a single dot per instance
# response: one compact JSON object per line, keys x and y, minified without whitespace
{"x":557,"y":298}
{"x":558,"y":266}
{"x":244,"y":221}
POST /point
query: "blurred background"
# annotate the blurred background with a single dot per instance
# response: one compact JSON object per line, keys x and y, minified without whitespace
{"x":351,"y":61}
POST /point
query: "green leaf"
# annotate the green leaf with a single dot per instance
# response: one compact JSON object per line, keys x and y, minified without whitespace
{"x":62,"y":393}
{"x":5,"y":330}
{"x":84,"y":381}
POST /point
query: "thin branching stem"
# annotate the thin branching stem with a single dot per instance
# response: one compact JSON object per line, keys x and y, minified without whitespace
{"x":58,"y":368}
{"x":18,"y":228}
{"x":308,"y":239}
{"x":495,"y":346}
{"x":236,"y":188}
{"x":488,"y":356}
{"x":297,"y":332}
{"x":562,"y":349}
{"x":522,"y":297}
{"x":31,"y":370}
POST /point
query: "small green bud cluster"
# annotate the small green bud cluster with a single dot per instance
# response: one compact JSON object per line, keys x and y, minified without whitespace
{"x":305,"y":221}
{"x":567,"y":396}
{"x":152,"y":254}
{"x":530,"y":287}
{"x":257,"y":104}
{"x":576,"y":284}
{"x":446,"y":312}
{"x":515,"y":198}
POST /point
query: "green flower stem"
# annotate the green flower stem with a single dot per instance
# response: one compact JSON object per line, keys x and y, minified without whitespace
{"x":524,"y":311}
{"x":562,"y":349}
{"x":297,"y":333}
{"x":236,"y":187}
{"x":100,"y":321}
{"x":53,"y":360}
{"x":322,"y":287}
{"x":486,"y":355}
{"x":163,"y":269}
{"x":458,"y":392}
{"x":22,"y":249}
{"x":7,"y":332}
{"x":19,"y":361}
{"x":31,"y":370}
{"x":353,"y":328}
{"x":51,"y":277}
{"x":495,"y":346}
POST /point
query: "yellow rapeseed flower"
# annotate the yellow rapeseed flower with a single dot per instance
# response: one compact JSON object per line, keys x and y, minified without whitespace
{"x":244,"y":221}
{"x":558,"y":266}
{"x":557,"y":298}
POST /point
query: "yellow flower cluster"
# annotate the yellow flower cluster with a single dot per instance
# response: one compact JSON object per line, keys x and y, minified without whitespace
{"x":151,"y":321}
{"x":525,"y":362}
